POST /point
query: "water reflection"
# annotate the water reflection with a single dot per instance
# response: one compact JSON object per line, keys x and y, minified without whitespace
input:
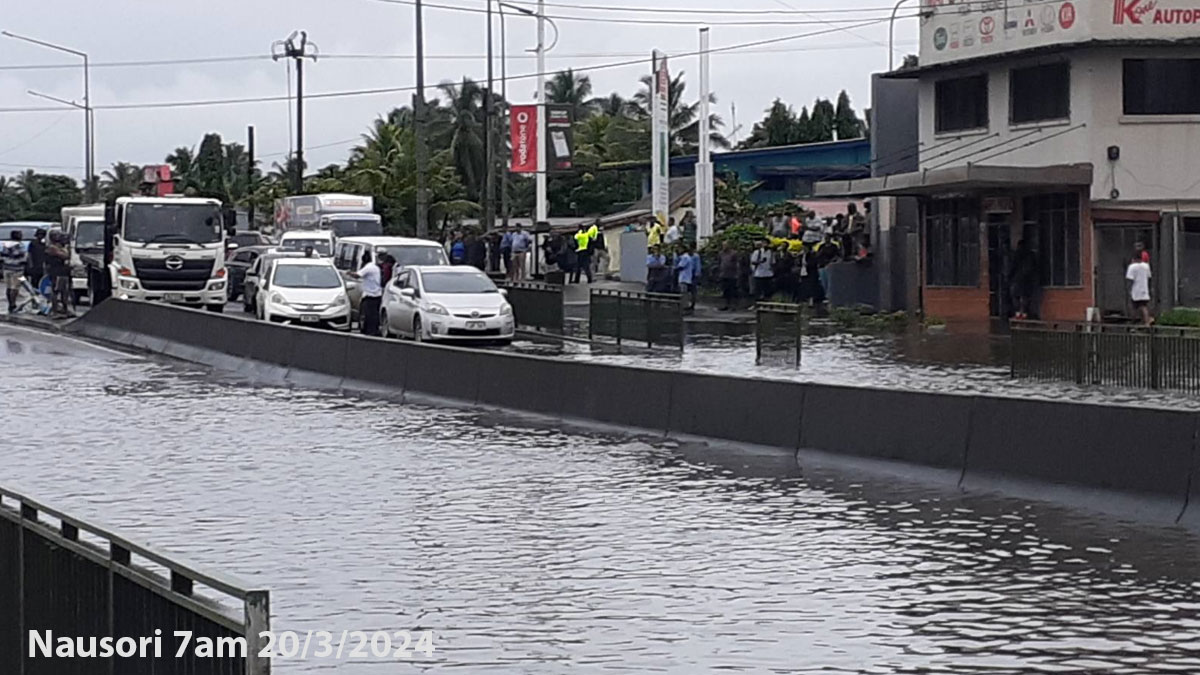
{"x":537,"y":550}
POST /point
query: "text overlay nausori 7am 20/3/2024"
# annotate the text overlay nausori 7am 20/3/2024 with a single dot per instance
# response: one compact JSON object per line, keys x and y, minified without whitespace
{"x":285,"y":645}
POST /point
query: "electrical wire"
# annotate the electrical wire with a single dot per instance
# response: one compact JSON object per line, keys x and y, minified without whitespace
{"x":393,"y":90}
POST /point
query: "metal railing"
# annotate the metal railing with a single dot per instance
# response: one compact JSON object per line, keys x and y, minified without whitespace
{"x":650,"y":318}
{"x":81,"y":580}
{"x":778,"y":333}
{"x":535,"y":305}
{"x":1139,"y":357}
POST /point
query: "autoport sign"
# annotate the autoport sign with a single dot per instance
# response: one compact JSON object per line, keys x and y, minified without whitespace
{"x":956,"y":30}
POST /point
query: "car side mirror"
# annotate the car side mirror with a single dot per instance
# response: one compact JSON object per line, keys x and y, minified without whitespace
{"x":504,"y":292}
{"x":408,"y":292}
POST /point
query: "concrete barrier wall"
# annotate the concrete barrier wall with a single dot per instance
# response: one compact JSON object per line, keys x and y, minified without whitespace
{"x":1136,"y":450}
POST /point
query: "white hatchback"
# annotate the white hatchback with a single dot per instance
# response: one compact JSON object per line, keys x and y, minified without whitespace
{"x":446,"y":303}
{"x":303,"y":291}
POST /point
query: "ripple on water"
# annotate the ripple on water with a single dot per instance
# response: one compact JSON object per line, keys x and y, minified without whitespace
{"x":538,"y":550}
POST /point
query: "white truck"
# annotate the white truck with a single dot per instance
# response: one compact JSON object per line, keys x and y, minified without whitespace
{"x":84,"y":227}
{"x":342,"y":214}
{"x":168,"y":248}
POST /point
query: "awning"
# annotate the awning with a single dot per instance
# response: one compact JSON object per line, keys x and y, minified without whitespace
{"x":956,"y":180}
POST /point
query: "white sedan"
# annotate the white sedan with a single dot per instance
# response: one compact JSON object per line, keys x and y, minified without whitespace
{"x":446,"y":303}
{"x":304,"y":291}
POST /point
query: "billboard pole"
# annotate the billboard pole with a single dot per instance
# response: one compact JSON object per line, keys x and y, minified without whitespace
{"x":660,"y":139}
{"x":704,"y":167}
{"x":542,"y":206}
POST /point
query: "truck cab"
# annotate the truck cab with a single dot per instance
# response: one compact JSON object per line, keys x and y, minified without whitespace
{"x":170,"y":249}
{"x":84,"y":228}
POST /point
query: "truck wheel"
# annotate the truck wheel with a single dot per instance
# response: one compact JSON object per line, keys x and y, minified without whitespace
{"x":218,"y":309}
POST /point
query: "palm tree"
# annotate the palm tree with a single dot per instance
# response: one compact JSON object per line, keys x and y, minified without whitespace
{"x":121,"y":180}
{"x":183,"y":168}
{"x":466,"y":136}
{"x":567,"y":88}
{"x":685,"y":128}
{"x":613,"y":105}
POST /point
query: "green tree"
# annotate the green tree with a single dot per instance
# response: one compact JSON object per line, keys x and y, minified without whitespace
{"x":567,"y":88}
{"x":121,"y":180}
{"x":846,"y":121}
{"x":779,"y":127}
{"x":682,"y":117}
{"x":464,"y":110}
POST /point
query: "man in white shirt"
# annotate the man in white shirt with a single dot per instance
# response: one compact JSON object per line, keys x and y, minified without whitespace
{"x":673,"y":234}
{"x":371,"y":280}
{"x":762,"y":266}
{"x":1139,"y":277}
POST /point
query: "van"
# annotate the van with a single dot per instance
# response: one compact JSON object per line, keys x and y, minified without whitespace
{"x":348,"y":254}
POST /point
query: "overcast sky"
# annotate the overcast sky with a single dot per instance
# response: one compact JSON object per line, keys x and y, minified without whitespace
{"x":122,"y":30}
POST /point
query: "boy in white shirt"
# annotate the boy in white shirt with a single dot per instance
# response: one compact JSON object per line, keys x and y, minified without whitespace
{"x":1139,"y":277}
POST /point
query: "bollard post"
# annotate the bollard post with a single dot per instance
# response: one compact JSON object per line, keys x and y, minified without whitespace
{"x":758,"y":316}
{"x":799,"y":335}
{"x":647,"y":303}
{"x":620,"y":314}
{"x":1155,"y":375}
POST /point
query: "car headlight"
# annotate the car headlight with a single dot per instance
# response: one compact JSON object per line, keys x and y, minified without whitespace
{"x":506,"y":310}
{"x":438,"y":309}
{"x":340,"y":300}
{"x":278,"y":299}
{"x":218,"y":286}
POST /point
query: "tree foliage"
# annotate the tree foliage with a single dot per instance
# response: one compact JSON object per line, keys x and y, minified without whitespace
{"x":826,"y":121}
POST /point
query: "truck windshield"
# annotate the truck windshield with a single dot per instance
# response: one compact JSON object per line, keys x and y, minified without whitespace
{"x":356,"y":228}
{"x":89,"y":234}
{"x":173,"y":223}
{"x":307,"y":276}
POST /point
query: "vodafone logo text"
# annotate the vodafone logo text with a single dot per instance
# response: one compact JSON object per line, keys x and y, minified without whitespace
{"x":523,"y":134}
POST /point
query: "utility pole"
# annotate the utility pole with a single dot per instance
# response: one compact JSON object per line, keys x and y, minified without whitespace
{"x":297,"y":51}
{"x":489,"y":128}
{"x":543,"y":207}
{"x":250,"y":176}
{"x":704,"y":167}
{"x":419,"y":120}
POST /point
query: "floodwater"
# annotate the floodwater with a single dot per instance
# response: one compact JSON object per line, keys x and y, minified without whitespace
{"x":541,"y":550}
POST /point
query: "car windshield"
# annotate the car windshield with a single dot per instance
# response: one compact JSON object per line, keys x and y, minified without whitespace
{"x":173,"y":223}
{"x":407,"y":256}
{"x":89,"y":234}
{"x":244,"y":239}
{"x":27,"y":231}
{"x":356,"y":228}
{"x":319,"y":246}
{"x":458,"y":283}
{"x":307,"y":276}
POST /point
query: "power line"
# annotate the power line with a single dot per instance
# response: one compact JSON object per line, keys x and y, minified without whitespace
{"x":393,"y":90}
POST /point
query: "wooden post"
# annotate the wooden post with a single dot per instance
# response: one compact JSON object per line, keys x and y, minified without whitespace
{"x":258,"y":621}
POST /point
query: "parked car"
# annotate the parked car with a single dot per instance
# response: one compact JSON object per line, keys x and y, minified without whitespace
{"x":446,"y":303}
{"x":304,"y":291}
{"x":321,"y":241}
{"x":238,"y":264}
{"x":349,"y":253}
{"x":254,"y":272}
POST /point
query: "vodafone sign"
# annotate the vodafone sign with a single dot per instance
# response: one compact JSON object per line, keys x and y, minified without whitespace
{"x":523,"y":121}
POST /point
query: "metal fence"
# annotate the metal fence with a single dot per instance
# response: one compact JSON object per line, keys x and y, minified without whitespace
{"x":650,"y":318}
{"x":778,"y":331}
{"x":1107,"y":355}
{"x":537,"y":306}
{"x":80,"y":580}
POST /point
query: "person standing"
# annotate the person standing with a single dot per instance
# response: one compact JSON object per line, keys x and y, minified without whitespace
{"x":687,"y":267}
{"x":493,"y":250}
{"x":476,"y":252}
{"x":506,"y":252}
{"x":729,"y":268}
{"x":762,"y":264}
{"x":656,"y":270}
{"x":600,"y":258}
{"x":13,"y":261}
{"x":654,"y":233}
{"x":37,"y":258}
{"x":1138,"y":274}
{"x":521,"y":243}
{"x":58,"y":267}
{"x":370,"y":278}
{"x":458,"y":251}
{"x":583,"y":254}
{"x":1022,"y":278}
{"x":673,"y":235}
{"x":387,"y":267}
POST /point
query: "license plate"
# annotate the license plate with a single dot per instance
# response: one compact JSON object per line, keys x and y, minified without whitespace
{"x":476,"y":325}
{"x":173,"y":297}
{"x":309,"y":318}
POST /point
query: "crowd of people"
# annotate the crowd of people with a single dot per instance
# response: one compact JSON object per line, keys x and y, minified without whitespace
{"x":505,"y":249}
{"x":34,"y":263}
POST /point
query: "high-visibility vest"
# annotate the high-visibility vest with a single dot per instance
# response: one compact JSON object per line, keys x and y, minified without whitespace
{"x":582,"y":239}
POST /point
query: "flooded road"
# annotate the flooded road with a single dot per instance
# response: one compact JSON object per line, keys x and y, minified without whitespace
{"x":539,"y":550}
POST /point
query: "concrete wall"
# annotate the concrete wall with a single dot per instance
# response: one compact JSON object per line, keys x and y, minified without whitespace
{"x":1140,"y":451}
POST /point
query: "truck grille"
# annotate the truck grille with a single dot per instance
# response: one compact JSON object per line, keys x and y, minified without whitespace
{"x":193,"y":275}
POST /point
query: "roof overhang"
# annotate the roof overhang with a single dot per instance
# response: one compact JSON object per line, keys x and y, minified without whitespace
{"x":957,"y":180}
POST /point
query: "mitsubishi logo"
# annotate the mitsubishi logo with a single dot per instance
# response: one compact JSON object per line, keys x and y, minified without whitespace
{"x":174,"y":263}
{"x":1132,"y":11}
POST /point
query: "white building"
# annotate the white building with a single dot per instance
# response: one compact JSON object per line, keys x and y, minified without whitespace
{"x":1073,"y":123}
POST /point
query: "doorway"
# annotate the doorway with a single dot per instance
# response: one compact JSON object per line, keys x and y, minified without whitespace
{"x":1114,"y":249}
{"x":999,"y":252}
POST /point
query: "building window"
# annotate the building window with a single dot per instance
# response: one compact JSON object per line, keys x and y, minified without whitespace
{"x":952,"y":242}
{"x":961,"y":104}
{"x":1055,"y":219}
{"x":1162,"y":86}
{"x":1040,"y":93}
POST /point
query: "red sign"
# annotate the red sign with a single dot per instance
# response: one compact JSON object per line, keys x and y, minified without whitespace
{"x":523,"y":120}
{"x":1066,"y":16}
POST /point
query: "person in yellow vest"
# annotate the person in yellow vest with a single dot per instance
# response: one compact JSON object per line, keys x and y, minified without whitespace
{"x":654,"y":233}
{"x":583,"y":252}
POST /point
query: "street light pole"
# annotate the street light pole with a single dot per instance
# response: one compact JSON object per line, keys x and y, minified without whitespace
{"x":298,"y":51}
{"x":543,"y":208}
{"x":422,"y":150}
{"x":489,"y":127}
{"x":892,"y":36}
{"x":89,"y":128}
